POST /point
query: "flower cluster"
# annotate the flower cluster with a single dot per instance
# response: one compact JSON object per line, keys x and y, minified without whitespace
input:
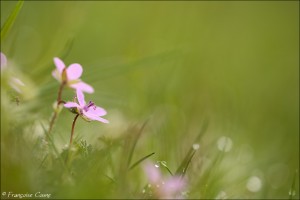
{"x":159,"y":186}
{"x":70,"y":77}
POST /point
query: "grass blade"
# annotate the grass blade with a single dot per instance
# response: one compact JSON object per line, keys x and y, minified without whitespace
{"x":293,"y":189}
{"x":135,"y":142}
{"x":187,"y":159}
{"x":112,"y":70}
{"x":130,"y":142}
{"x":49,"y":65}
{"x":188,"y":163}
{"x":164,"y":164}
{"x":11,"y":19}
{"x":54,"y":148}
{"x":141,"y":160}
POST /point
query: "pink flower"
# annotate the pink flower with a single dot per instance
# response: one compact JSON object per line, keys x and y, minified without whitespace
{"x":169,"y":188}
{"x":3,"y":61}
{"x":88,"y":111}
{"x":70,"y":76}
{"x":14,"y":82}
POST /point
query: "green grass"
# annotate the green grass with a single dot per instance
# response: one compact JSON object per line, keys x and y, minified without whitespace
{"x":170,"y":75}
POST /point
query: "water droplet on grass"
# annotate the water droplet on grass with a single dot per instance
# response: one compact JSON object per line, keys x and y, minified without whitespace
{"x":221,"y":195}
{"x":292,"y":192}
{"x":164,"y":163}
{"x":185,"y":194}
{"x":196,"y":146}
{"x":254,"y":184}
{"x":224,"y":144}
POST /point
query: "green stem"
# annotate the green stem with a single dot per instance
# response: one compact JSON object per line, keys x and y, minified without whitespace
{"x":72,"y":131}
{"x":52,"y":122}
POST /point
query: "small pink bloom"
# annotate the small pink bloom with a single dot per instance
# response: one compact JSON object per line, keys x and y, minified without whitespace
{"x":70,"y":76}
{"x":3,"y":61}
{"x":88,"y":111}
{"x":14,"y":82}
{"x":164,"y":188}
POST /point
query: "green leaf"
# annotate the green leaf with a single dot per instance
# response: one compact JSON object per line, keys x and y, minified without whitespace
{"x":11,"y":19}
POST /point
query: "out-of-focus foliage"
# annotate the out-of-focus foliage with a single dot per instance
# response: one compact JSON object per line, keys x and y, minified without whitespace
{"x":224,"y":75}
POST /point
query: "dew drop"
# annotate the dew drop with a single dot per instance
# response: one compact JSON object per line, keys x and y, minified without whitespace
{"x":221,"y":195}
{"x":196,"y":146}
{"x":224,"y":144}
{"x":292,"y":192}
{"x":164,"y":163}
{"x":185,"y":194}
{"x":254,"y":184}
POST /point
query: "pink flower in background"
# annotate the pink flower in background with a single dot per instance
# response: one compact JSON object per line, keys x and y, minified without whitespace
{"x":169,"y":188}
{"x":3,"y":61}
{"x":14,"y":82}
{"x":70,"y":76}
{"x":88,"y":111}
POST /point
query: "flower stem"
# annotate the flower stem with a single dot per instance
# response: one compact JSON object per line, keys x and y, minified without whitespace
{"x":59,"y":101}
{"x":52,"y":122}
{"x":60,"y":92}
{"x":72,"y":131}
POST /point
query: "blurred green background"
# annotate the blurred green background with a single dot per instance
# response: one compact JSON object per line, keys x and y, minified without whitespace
{"x":176,"y":64}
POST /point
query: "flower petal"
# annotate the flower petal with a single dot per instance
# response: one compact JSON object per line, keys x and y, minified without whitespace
{"x":173,"y":186}
{"x":56,"y":75}
{"x":80,"y":98}
{"x":17,"y":81}
{"x":152,"y":173}
{"x":83,"y":87}
{"x":94,"y":117}
{"x":71,"y":105}
{"x":98,"y":111}
{"x":60,"y":65}
{"x":3,"y":61}
{"x":74,"y":71}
